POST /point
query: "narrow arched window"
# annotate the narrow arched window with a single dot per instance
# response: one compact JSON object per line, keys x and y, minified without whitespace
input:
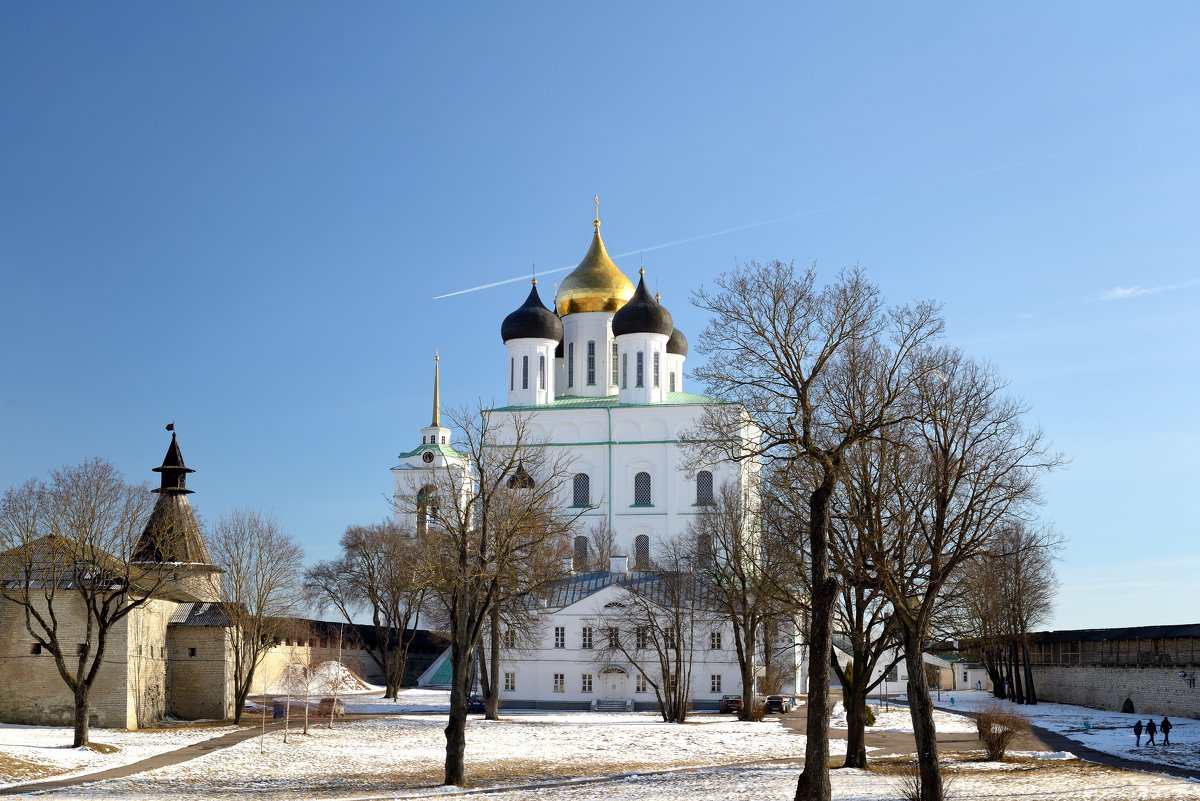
{"x":704,"y":488}
{"x":591,"y":364}
{"x":524,"y":372}
{"x":641,"y":489}
{"x":570,"y":364}
{"x":704,"y":550}
{"x":582,"y":490}
{"x":657,"y":383}
{"x":581,"y":553}
{"x":641,"y":552}
{"x":672,"y":380}
{"x":624,"y":370}
{"x":426,"y":506}
{"x":512,"y":374}
{"x":614,"y":364}
{"x":641,"y":369}
{"x":541,"y":372}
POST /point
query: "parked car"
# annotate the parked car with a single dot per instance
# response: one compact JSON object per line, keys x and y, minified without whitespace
{"x":730,"y":703}
{"x":475,"y":704}
{"x":779,"y":704}
{"x":327,"y":706}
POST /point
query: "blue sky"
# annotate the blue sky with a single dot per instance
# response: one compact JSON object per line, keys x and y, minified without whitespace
{"x":237,"y":216}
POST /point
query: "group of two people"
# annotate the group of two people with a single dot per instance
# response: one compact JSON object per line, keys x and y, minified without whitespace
{"x":1151,"y":730}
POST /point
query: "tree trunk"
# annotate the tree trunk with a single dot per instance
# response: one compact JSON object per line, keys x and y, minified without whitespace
{"x":83,"y":709}
{"x":813,"y":784}
{"x":492,"y":699}
{"x":746,"y":668}
{"x":854,"y":698}
{"x":456,"y":725}
{"x":1030,"y":693}
{"x":920,"y":706}
{"x":1015,"y":668}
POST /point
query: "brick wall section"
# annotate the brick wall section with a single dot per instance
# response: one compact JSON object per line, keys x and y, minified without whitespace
{"x":1153,"y":690}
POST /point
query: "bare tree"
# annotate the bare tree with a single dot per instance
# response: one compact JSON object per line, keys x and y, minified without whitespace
{"x":260,"y":590}
{"x":660,"y":623}
{"x":68,"y":562}
{"x":730,"y":561}
{"x":487,"y":519}
{"x":959,"y":476}
{"x":378,"y":573}
{"x":818,"y":370}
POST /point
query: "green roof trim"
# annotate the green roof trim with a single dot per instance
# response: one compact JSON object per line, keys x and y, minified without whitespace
{"x":612,"y":401}
{"x":444,"y":450}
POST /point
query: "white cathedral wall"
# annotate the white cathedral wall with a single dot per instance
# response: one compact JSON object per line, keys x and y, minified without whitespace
{"x":535,"y":664}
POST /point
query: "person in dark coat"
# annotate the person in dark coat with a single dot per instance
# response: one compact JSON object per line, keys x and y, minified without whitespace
{"x":1150,"y":729}
{"x":1165,"y":728}
{"x":1137,"y":731}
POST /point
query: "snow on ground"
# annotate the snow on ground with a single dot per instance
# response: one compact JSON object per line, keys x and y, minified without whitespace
{"x":374,"y":755}
{"x":326,"y":678}
{"x":416,"y":699}
{"x":49,"y":747}
{"x":1107,"y":732}
{"x":899,"y":719}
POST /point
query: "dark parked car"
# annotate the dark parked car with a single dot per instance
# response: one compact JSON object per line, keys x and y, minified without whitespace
{"x":779,"y":704}
{"x":730,"y":703}
{"x":475,"y":704}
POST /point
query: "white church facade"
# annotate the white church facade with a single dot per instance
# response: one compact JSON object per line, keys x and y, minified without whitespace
{"x":600,"y":380}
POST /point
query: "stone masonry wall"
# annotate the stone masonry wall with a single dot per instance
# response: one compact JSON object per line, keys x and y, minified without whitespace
{"x":1153,"y":690}
{"x":31,"y":689}
{"x":200,"y":680}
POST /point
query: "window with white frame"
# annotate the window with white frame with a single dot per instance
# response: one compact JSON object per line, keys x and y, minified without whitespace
{"x":639,"y":684}
{"x":585,"y":683}
{"x":715,"y":684}
{"x":560,"y":636}
{"x":670,"y":638}
{"x":510,"y":638}
{"x":614,"y":637}
{"x":560,"y":682}
{"x":714,"y":641}
{"x":510,"y":681}
{"x":586,"y":639}
{"x":643,"y":637}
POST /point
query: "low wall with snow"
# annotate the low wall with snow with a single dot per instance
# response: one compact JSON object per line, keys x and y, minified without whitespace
{"x":1153,"y":690}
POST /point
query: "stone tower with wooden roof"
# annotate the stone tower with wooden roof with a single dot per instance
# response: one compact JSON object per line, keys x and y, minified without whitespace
{"x":172,"y":540}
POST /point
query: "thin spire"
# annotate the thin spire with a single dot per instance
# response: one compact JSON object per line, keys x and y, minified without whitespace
{"x":437,"y":397}
{"x":597,"y":222}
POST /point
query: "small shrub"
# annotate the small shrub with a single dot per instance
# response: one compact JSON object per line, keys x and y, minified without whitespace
{"x":908,"y":786}
{"x":869,"y":715}
{"x":997,"y":728}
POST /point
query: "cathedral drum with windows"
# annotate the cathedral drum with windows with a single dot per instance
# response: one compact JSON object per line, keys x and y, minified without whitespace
{"x":601,"y":377}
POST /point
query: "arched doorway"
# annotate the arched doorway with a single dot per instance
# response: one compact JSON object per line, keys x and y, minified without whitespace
{"x":613,"y":684}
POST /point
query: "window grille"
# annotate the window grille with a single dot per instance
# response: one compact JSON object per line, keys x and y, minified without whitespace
{"x":641,"y":489}
{"x":641,"y":552}
{"x":704,"y":488}
{"x":591,"y":364}
{"x":582,"y":490}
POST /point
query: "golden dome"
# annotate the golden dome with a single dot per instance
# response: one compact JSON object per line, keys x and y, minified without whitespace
{"x":595,"y":285}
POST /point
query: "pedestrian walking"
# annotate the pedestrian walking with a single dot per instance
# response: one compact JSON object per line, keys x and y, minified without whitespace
{"x":1150,"y":729}
{"x":1165,"y":728}
{"x":1137,"y":732}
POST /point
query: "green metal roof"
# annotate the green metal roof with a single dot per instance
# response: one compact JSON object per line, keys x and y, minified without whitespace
{"x":611,"y":401}
{"x":444,"y":450}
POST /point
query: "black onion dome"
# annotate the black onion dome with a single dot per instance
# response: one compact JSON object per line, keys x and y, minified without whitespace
{"x":642,"y":314}
{"x":677,"y":343}
{"x":532,"y":321}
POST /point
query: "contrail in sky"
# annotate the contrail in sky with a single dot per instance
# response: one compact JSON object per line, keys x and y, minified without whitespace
{"x":809,"y":212}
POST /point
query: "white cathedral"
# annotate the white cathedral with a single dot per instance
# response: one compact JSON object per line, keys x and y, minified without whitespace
{"x":602,"y":376}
